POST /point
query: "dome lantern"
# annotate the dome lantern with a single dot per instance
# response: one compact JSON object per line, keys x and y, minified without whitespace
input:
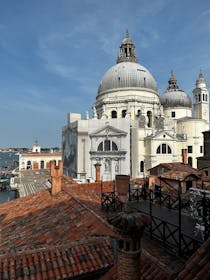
{"x":172,"y":82}
{"x":127,"y":50}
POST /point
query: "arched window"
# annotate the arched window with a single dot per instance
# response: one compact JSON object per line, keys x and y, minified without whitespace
{"x":107,"y":145}
{"x":190,"y":161}
{"x":142,"y":166}
{"x":163,"y":149}
{"x":114,"y":147}
{"x":124,"y":113}
{"x":149,"y":115}
{"x":114,"y":114}
{"x":100,"y":147}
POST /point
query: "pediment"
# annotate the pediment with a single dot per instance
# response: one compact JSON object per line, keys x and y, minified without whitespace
{"x":161,"y":135}
{"x":108,"y":130}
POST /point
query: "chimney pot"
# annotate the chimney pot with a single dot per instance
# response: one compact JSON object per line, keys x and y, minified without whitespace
{"x":184,"y":156}
{"x":129,"y":228}
{"x":56,"y":172}
{"x":98,"y":171}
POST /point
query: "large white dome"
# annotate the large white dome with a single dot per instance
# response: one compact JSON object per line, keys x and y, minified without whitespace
{"x":127,"y":75}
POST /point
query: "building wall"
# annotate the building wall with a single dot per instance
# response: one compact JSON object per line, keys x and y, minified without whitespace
{"x":193,"y":129}
{"x":37,"y":160}
{"x":133,"y":101}
{"x":180,"y":112}
{"x":83,"y":146}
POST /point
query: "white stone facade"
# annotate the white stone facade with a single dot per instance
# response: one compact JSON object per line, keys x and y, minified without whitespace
{"x":133,"y":127}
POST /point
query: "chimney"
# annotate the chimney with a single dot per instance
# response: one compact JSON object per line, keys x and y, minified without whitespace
{"x":129,"y":228}
{"x":56,"y":172}
{"x":98,"y":171}
{"x":184,"y":156}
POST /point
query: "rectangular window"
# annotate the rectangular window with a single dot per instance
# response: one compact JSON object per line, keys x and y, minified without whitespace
{"x":173,"y":114}
{"x":107,"y":145}
{"x":163,"y":148}
{"x":201,"y":149}
{"x":206,"y":172}
{"x":189,"y":149}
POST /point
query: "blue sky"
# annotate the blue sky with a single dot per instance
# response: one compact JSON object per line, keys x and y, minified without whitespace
{"x":53,"y":54}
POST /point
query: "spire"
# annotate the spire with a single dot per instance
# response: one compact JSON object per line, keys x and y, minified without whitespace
{"x":126,"y":33}
{"x":36,"y":142}
{"x":172,"y":82}
{"x":127,"y":50}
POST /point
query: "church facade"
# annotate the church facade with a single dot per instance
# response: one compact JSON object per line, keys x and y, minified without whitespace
{"x":133,"y":128}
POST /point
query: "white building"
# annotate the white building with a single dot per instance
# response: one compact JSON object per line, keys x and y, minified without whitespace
{"x":36,"y":159}
{"x":133,"y":127}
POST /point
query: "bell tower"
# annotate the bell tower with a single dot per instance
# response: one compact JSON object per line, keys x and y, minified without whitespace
{"x":201,"y":99}
{"x":36,"y":147}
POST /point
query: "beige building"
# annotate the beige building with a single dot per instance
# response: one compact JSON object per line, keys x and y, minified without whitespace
{"x":36,"y":159}
{"x":133,"y":127}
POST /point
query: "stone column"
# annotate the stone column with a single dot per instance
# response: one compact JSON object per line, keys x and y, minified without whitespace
{"x":129,"y":228}
{"x":98,"y":171}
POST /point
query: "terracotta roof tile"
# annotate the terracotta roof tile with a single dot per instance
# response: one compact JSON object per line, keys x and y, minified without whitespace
{"x":42,"y":219}
{"x":66,"y":261}
{"x":177,"y":175}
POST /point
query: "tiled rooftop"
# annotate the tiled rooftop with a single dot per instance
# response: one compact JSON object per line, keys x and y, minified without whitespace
{"x":70,"y":260}
{"x":45,"y":220}
{"x":65,"y":236}
{"x":177,"y":175}
{"x":179,"y":166}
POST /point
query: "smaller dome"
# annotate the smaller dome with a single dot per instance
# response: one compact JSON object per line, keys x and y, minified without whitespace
{"x":173,"y":96}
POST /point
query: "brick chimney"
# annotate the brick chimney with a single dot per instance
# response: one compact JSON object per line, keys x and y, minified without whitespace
{"x":98,"y":171}
{"x":129,"y":228}
{"x":56,"y":172}
{"x":184,"y":156}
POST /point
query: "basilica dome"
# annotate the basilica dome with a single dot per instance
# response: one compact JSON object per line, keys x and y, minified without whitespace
{"x":127,"y":73}
{"x":175,"y":97}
